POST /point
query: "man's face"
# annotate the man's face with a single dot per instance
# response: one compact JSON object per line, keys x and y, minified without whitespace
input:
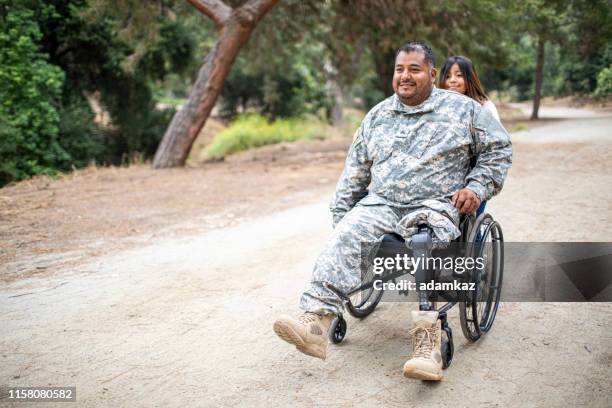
{"x":413,"y":79}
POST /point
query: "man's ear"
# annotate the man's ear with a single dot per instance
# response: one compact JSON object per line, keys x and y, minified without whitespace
{"x":434,"y":73}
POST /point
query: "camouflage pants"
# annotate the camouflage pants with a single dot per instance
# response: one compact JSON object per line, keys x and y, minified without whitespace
{"x":340,"y":261}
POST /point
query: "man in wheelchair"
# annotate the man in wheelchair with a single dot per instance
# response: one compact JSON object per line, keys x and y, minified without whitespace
{"x":420,"y":157}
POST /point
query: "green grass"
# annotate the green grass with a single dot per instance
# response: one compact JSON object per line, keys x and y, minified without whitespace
{"x":519,"y":127}
{"x":251,"y":131}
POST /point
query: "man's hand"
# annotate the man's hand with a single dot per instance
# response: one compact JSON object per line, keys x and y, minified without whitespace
{"x":466,"y":201}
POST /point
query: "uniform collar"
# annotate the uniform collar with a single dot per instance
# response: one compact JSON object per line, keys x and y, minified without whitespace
{"x":426,"y":106}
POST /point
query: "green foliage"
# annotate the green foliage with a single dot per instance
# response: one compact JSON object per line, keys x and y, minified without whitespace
{"x":515,"y":78}
{"x":280,"y":72}
{"x":97,"y":60}
{"x":29,"y":96}
{"x":78,"y":134}
{"x":56,"y":54}
{"x":253,"y":130}
{"x":59,"y":58}
{"x":274,"y":93}
{"x":580,"y":71}
{"x":578,"y":47}
{"x":170,"y":52}
{"x":519,"y":127}
{"x":604,"y":82}
{"x":471,"y":27}
{"x":167,"y":40}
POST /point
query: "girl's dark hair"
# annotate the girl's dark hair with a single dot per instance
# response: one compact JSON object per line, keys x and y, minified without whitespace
{"x":473,"y":87}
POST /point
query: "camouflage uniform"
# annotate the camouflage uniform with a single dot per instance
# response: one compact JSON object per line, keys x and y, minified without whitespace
{"x":404,"y":165}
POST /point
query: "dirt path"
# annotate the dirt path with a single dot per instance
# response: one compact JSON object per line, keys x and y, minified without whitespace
{"x":186,"y":320}
{"x":49,"y":225}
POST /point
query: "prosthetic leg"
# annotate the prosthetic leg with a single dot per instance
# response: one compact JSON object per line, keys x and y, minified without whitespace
{"x":429,"y":356}
{"x":422,"y":244}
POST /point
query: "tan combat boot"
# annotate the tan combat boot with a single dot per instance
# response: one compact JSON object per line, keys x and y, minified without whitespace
{"x":309,"y":333}
{"x":426,"y":360}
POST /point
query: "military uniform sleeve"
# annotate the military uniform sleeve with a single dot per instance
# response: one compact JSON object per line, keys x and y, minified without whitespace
{"x":355,"y":178}
{"x":494,"y":155}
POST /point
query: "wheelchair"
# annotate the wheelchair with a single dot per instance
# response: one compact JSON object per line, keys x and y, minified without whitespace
{"x":480,"y":237}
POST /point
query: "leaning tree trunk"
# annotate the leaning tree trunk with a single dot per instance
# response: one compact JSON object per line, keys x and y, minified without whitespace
{"x":538,"y":77}
{"x":190,"y":119}
{"x":235,"y":28}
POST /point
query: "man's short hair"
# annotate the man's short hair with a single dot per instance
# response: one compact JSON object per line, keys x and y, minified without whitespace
{"x":421,"y":47}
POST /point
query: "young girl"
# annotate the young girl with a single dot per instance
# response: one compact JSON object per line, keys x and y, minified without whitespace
{"x":458,"y":74}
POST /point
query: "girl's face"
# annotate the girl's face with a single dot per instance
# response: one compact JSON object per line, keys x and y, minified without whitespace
{"x":454,"y":80}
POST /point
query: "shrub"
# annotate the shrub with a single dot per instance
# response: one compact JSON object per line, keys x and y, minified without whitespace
{"x":604,"y":82}
{"x":78,"y":135}
{"x":29,"y":95}
{"x":250,"y":131}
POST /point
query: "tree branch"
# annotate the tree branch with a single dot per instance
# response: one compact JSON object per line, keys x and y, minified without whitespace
{"x":216,"y":10}
{"x":256,"y":8}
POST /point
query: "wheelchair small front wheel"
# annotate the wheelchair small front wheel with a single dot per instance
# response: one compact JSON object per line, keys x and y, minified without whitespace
{"x":447,"y":347}
{"x":337,"y":331}
{"x":448,"y":350}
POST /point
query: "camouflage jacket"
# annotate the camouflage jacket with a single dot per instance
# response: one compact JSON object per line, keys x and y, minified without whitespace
{"x":408,"y":156}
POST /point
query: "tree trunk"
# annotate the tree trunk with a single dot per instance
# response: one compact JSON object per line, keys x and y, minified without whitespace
{"x":384,"y":61}
{"x":538,"y":77}
{"x":338,"y":103}
{"x":334,"y":91}
{"x":235,"y":28}
{"x":190,"y":119}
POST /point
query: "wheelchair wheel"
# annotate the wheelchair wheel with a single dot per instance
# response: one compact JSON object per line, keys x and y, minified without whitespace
{"x":478,"y":312}
{"x":337,"y":331}
{"x":361,"y":304}
{"x":447,"y":346}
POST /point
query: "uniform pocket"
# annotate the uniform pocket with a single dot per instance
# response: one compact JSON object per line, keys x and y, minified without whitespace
{"x":380,"y":145}
{"x":415,"y":142}
{"x":450,"y":138}
{"x":440,"y":139}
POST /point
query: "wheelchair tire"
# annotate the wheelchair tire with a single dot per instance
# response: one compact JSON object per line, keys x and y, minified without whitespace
{"x":337,"y":331}
{"x":478,"y":312}
{"x":363,"y":303}
{"x":447,"y":350}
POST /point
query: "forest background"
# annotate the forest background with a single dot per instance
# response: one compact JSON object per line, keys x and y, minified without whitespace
{"x":98,"y":81}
